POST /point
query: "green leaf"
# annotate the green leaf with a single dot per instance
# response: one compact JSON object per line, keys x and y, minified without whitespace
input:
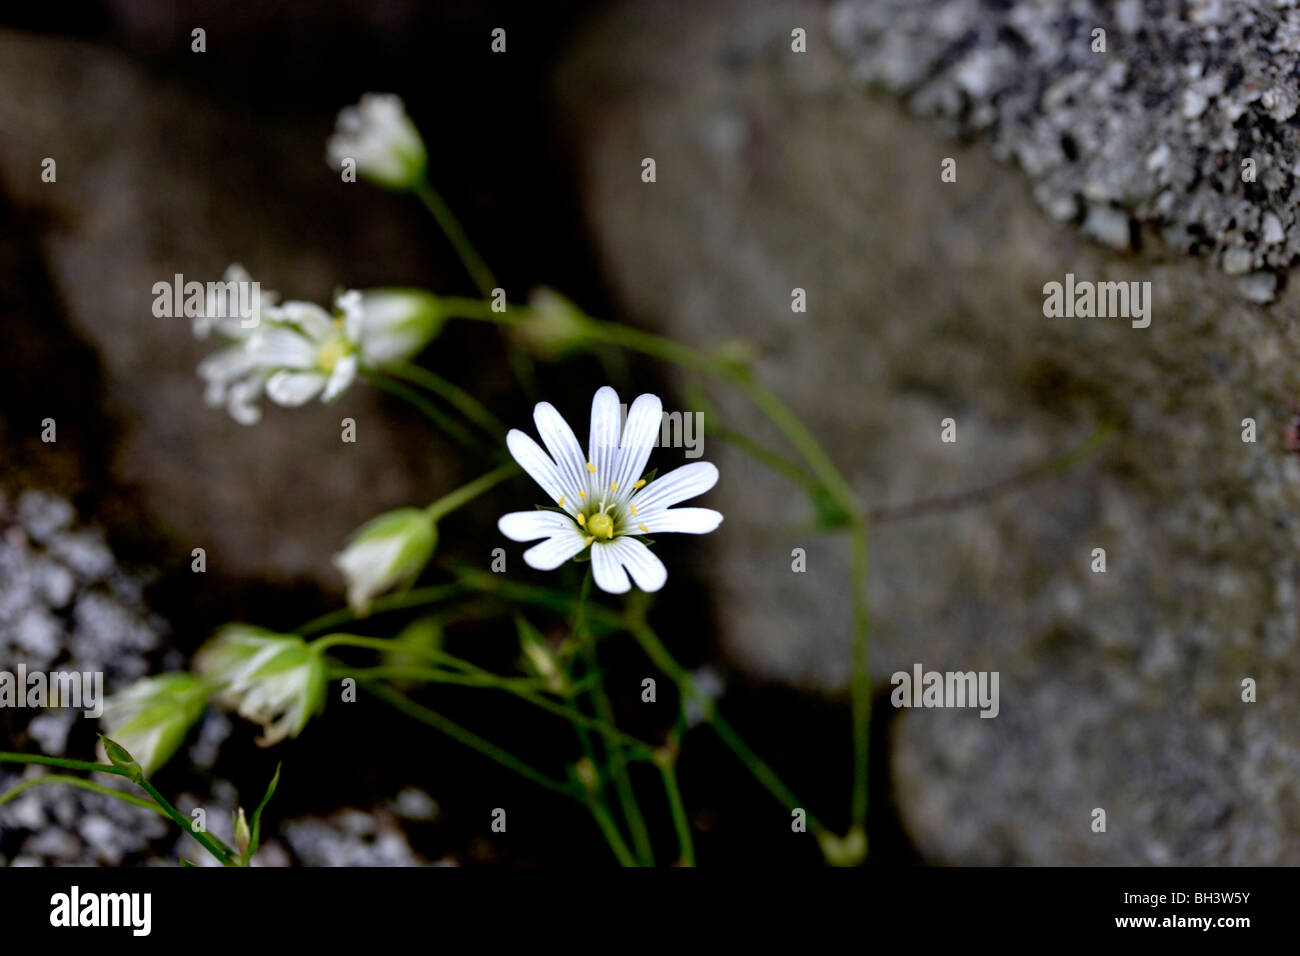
{"x":257,"y":815}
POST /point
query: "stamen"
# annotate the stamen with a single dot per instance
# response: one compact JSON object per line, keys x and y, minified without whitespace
{"x":644,"y":528}
{"x":610,"y":532}
{"x":587,"y":541}
{"x":640,"y":484}
{"x":591,"y":468}
{"x":632,"y":508}
{"x":582,"y":494}
{"x":582,"y":519}
{"x":613,"y":486}
{"x":561,"y":502}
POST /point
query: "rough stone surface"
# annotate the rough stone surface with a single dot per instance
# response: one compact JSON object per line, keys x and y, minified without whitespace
{"x":775,"y":170}
{"x":145,"y":190}
{"x":1149,"y":123}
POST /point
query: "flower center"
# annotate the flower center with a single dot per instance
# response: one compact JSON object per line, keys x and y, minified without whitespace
{"x":600,"y":526}
{"x":333,"y":349}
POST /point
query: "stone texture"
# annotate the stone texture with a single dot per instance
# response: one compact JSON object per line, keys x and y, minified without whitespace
{"x":776,"y":170}
{"x":154,"y":180}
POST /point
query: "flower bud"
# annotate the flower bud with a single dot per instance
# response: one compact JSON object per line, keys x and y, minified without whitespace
{"x":243,"y":835}
{"x":119,"y":758}
{"x":555,"y":326}
{"x":397,"y":324}
{"x":389,"y":551}
{"x":150,"y":718}
{"x":380,"y":138}
{"x":275,"y":680}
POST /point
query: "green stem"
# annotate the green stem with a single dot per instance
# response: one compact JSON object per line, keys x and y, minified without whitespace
{"x":681,"y":823}
{"x":452,"y":394}
{"x":605,"y":711}
{"x":84,"y":785}
{"x":446,"y":423}
{"x":455,"y":233}
{"x":661,"y":658}
{"x":223,"y":853}
{"x":610,"y":830}
{"x":469,"y":739}
{"x":399,"y":602}
{"x":467,"y":493}
{"x":861,"y":678}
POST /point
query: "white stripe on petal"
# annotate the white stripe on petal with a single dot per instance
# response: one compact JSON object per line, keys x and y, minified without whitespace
{"x":531,"y":525}
{"x":564,"y":448}
{"x":639,"y":435}
{"x":678,"y":485}
{"x":608,"y":569}
{"x":602,"y":443}
{"x":683,"y":520}
{"x":536,"y":462}
{"x":553,"y":552}
{"x":643,"y":564}
{"x":294,"y":388}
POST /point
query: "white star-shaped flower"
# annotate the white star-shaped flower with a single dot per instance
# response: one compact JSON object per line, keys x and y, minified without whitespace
{"x":603,"y":501}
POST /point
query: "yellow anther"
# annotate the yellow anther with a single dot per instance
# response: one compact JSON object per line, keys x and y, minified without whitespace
{"x":613,"y":486}
{"x":640,"y":484}
{"x":582,"y":519}
{"x":582,"y":494}
{"x":561,"y":502}
{"x":586,"y":542}
{"x":632,"y":508}
{"x":610,"y":532}
{"x":591,"y":468}
{"x":644,"y":528}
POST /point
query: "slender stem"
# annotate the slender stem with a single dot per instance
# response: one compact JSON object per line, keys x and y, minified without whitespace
{"x":212,"y":844}
{"x":399,"y":602}
{"x":555,"y":600}
{"x":448,"y":425}
{"x":460,"y":734}
{"x":467,"y":493}
{"x":660,"y":656}
{"x":453,"y":395}
{"x":455,"y":233}
{"x":681,"y":823}
{"x":84,"y":785}
{"x":610,"y":829}
{"x":605,"y":711}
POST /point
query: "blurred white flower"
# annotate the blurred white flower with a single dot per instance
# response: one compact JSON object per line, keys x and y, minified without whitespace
{"x":298,"y":350}
{"x":151,"y":717}
{"x":275,"y":680}
{"x":389,"y":551}
{"x":380,"y":138}
{"x":602,"y":500}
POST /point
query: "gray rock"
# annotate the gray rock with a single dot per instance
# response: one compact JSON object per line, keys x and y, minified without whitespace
{"x":1119,"y":690}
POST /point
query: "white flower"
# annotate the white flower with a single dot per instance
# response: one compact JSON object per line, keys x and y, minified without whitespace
{"x":298,"y":350}
{"x":275,"y":680}
{"x":217,"y":305}
{"x":381,"y":139}
{"x":151,"y":717}
{"x":308,"y":352}
{"x":389,"y":551}
{"x":604,"y":502}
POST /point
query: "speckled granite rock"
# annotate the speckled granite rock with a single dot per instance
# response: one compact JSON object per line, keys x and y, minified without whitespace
{"x":925,"y":301}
